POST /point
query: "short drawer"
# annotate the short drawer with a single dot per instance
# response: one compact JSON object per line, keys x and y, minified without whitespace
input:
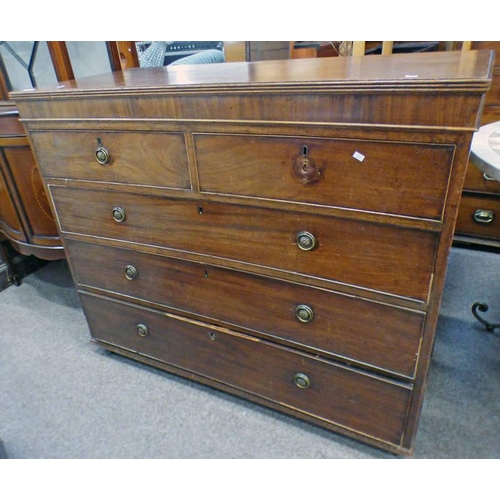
{"x":385,"y":177}
{"x":327,"y":391}
{"x":479,"y":216}
{"x":330,"y":323}
{"x":142,"y":158}
{"x":389,"y":259}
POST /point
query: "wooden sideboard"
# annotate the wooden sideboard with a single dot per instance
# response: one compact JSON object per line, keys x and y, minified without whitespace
{"x":277,"y":230}
{"x":479,"y":215}
{"x":27,"y":220}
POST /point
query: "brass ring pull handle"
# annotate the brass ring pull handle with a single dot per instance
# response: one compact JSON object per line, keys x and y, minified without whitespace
{"x":131,"y":272}
{"x":301,"y":381}
{"x":305,"y":240}
{"x":118,"y":214}
{"x":304,"y":313}
{"x":484,"y":216}
{"x":102,"y":154}
{"x":142,"y":330}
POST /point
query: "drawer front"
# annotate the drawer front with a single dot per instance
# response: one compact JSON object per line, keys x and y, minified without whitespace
{"x":476,"y":181}
{"x":336,"y":394}
{"x":362,"y":331}
{"x":479,"y":216}
{"x":152,"y":159}
{"x":10,"y":126}
{"x":395,"y":178}
{"x":392,"y":260}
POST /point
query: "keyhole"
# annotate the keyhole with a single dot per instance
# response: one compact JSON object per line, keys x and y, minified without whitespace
{"x":206,"y":274}
{"x":200,"y":210}
{"x":211,"y":335}
{"x":305,"y":150}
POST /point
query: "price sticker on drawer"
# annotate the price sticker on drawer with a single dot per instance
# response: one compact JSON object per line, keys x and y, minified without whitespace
{"x":358,"y":156}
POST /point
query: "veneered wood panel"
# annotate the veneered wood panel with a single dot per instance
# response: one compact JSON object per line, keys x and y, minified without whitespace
{"x":10,"y":223}
{"x":32,"y":193}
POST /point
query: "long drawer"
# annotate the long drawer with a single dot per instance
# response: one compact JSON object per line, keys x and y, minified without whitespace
{"x":324,"y":390}
{"x":143,"y":158}
{"x":388,"y":259}
{"x":389,"y":177}
{"x":330,"y":323}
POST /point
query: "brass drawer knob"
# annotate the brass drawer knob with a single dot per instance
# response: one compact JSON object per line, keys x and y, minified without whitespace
{"x":102,"y":154}
{"x":304,"y":313}
{"x":305,"y":240}
{"x":118,"y":214}
{"x":484,"y":216}
{"x":131,"y":272}
{"x":142,"y":330}
{"x":302,"y":381}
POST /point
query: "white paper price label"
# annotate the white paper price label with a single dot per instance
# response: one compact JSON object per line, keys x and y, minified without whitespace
{"x":358,"y":156}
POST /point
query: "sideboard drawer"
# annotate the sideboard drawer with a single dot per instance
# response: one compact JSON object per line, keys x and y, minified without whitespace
{"x":324,"y":390}
{"x":304,"y":316}
{"x":478,"y":182}
{"x":479,"y":216}
{"x":396,"y":178}
{"x":152,"y":159}
{"x":389,"y":259}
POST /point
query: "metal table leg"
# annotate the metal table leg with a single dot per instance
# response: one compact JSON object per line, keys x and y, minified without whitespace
{"x":482,"y":307}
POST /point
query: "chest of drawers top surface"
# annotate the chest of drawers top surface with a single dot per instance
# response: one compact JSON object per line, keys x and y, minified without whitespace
{"x":332,"y":90}
{"x":451,"y":69}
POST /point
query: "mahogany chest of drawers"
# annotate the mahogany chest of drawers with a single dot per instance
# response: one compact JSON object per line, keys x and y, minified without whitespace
{"x":278,"y":230}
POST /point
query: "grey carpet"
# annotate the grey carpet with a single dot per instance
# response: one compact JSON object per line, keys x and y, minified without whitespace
{"x":62,"y":397}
